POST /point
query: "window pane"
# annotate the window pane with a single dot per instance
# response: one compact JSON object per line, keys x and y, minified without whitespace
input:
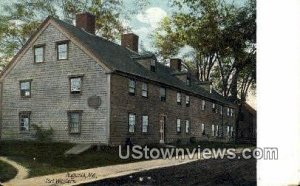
{"x":131,"y":122}
{"x":144,"y":89}
{"x":24,"y":122}
{"x":25,"y":85}
{"x":152,"y":62}
{"x":187,"y":99}
{"x":62,"y":48}
{"x":74,"y":122}
{"x":187,"y":126}
{"x":145,"y":124}
{"x":131,"y":86}
{"x":178,"y":125}
{"x":39,"y":54}
{"x":162,"y":92}
{"x":178,"y":97}
{"x":25,"y":88}
{"x":75,"y":84}
{"x":62,"y":51}
{"x":202,"y":104}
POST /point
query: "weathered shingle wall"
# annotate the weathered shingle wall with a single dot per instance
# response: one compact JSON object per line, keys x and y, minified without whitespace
{"x":50,"y":93}
{"x":122,"y":103}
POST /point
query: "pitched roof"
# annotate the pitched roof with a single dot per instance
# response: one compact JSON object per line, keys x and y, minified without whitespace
{"x":121,"y":59}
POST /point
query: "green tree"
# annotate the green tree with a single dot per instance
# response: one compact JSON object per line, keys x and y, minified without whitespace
{"x":21,"y":19}
{"x":222,"y":36}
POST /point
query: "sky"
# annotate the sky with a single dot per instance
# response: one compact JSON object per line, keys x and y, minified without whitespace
{"x":147,"y":20}
{"x":142,"y":23}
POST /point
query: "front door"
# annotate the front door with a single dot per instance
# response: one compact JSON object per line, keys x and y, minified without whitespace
{"x":162,"y":122}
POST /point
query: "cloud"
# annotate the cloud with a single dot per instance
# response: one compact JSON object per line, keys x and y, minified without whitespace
{"x":141,"y":31}
{"x":152,"y":16}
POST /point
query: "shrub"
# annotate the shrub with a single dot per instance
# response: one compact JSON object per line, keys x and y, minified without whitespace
{"x":43,"y":135}
{"x":193,"y":140}
{"x":178,"y":142}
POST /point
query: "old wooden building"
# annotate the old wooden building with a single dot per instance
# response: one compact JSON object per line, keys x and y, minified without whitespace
{"x":91,"y":90}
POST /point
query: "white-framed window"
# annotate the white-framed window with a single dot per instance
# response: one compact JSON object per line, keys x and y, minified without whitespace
{"x":39,"y":54}
{"x":202,"y":104}
{"x":231,"y":131}
{"x":144,"y":124}
{"x":228,"y":130}
{"x":62,"y":50}
{"x":178,"y":98}
{"x":213,"y":107}
{"x":217,"y":130}
{"x":228,"y":111}
{"x":24,"y":121}
{"x":221,"y":110}
{"x":131,"y":122}
{"x":131,"y":86}
{"x":25,"y":88}
{"x":144,"y":89}
{"x":213,"y":130}
{"x":203,"y":128}
{"x":178,"y":126}
{"x":231,"y":112}
{"x":187,"y":100}
{"x":187,"y":126}
{"x":162,"y":93}
{"x":74,"y":121}
{"x":75,"y":85}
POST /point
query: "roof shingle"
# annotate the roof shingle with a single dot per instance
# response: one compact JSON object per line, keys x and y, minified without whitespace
{"x":121,"y":59}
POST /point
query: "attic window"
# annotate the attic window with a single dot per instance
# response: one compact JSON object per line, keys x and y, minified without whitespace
{"x":202,"y":105}
{"x":62,"y":50}
{"x":178,"y":98}
{"x":162,"y":93}
{"x":39,"y":54}
{"x":188,"y":80}
{"x":132,"y":86}
{"x":213,"y":107}
{"x":152,"y":65}
{"x":187,"y":100}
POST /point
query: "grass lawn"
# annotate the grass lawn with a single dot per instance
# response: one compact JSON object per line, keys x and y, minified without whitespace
{"x":48,"y":158}
{"x":7,"y":172}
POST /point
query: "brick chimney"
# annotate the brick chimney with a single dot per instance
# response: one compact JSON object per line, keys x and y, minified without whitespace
{"x":175,"y":64}
{"x":130,"y":41}
{"x":86,"y":21}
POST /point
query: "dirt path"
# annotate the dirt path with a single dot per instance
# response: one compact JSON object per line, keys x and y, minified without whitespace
{"x":22,"y":171}
{"x":206,"y":172}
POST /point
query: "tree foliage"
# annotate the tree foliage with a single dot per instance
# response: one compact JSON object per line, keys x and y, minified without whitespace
{"x":222,"y":36}
{"x":21,"y":19}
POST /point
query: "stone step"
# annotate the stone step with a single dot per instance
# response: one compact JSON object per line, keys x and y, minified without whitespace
{"x":78,"y":149}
